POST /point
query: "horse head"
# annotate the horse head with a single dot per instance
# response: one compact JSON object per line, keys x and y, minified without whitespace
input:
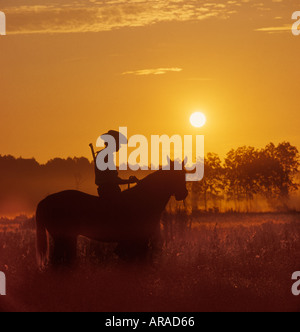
{"x":178,"y":179}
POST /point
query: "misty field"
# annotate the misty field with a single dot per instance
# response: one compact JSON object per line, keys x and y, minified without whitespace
{"x":210,"y":262}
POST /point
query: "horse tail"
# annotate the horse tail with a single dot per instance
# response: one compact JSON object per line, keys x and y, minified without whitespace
{"x":42,"y":245}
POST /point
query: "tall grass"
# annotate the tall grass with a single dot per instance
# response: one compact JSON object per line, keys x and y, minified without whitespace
{"x":209,"y":262}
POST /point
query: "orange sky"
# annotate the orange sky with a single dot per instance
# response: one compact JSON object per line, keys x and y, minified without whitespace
{"x":71,"y":70}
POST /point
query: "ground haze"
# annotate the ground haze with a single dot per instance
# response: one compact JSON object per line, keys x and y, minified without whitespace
{"x":210,"y":262}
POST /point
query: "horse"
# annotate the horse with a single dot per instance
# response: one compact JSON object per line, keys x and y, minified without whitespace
{"x":132,"y":219}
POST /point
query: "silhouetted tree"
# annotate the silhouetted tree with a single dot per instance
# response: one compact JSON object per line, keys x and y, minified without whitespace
{"x":270,"y":172}
{"x":210,"y":188}
{"x":242,"y":175}
{"x":281,"y":167}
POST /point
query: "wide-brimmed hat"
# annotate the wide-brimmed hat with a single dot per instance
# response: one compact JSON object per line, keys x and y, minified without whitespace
{"x":119,"y":137}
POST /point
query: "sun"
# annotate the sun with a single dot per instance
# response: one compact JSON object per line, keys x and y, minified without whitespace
{"x":198,"y":119}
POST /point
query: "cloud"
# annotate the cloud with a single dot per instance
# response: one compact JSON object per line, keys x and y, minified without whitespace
{"x":67,"y":16}
{"x":279,"y":29}
{"x":79,"y":16}
{"x":158,"y":71}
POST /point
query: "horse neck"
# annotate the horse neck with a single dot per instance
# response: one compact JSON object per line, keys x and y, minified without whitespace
{"x":156,"y":187}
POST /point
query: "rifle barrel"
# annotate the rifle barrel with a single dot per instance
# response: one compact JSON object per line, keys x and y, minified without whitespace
{"x":93,"y":152}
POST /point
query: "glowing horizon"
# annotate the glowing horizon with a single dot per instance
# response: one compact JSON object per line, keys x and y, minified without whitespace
{"x":71,"y":72}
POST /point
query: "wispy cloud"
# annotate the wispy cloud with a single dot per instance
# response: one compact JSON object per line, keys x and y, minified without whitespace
{"x":158,"y":71}
{"x":53,"y":16}
{"x":279,"y":29}
{"x":71,"y":16}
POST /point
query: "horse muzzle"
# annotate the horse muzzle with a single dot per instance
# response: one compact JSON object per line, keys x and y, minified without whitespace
{"x":181,"y":196}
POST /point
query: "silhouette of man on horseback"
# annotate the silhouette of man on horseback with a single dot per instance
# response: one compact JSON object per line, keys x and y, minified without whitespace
{"x":108,"y":180}
{"x":132,"y":225}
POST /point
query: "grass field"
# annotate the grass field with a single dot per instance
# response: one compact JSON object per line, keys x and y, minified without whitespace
{"x":210,"y":262}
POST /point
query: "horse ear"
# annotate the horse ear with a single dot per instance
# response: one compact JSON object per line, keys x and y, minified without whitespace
{"x":184,"y":162}
{"x":169,"y":160}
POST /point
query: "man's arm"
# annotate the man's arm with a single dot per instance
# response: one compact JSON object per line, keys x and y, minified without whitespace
{"x":132,"y":179}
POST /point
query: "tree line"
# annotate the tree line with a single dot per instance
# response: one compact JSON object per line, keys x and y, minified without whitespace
{"x":245,"y":174}
{"x":270,"y":173}
{"x":24,"y":182}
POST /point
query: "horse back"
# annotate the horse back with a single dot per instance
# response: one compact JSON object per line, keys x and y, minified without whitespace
{"x":72,"y":206}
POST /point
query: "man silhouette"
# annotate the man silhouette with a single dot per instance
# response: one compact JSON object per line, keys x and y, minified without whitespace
{"x":108,"y":181}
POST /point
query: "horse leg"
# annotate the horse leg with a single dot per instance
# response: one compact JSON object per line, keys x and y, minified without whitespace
{"x":142,"y":250}
{"x":123,"y":250}
{"x":133,"y":251}
{"x":70,"y":250}
{"x":64,"y":252}
{"x":58,"y":251}
{"x":156,"y":243}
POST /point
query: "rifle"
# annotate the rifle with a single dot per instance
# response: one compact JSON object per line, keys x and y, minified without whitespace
{"x":93,"y":152}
